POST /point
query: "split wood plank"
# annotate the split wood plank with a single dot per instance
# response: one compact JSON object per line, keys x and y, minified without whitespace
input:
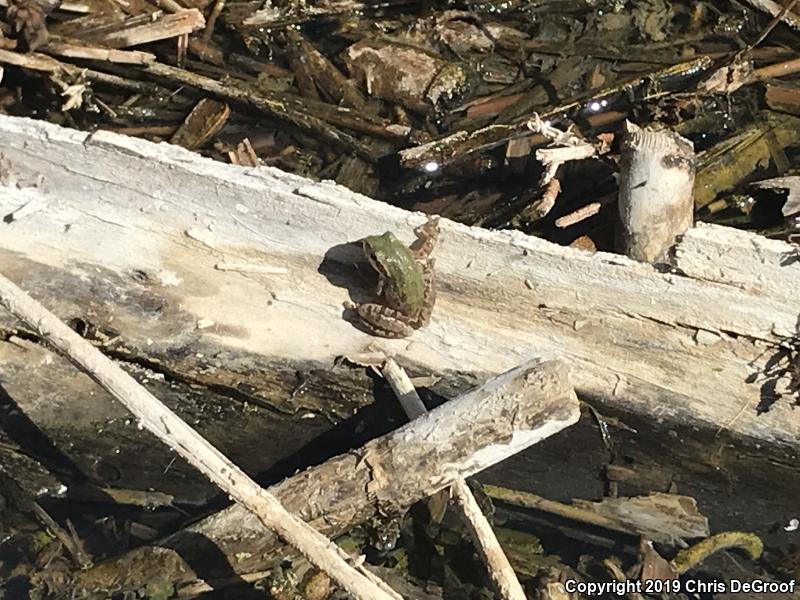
{"x":166,"y":26}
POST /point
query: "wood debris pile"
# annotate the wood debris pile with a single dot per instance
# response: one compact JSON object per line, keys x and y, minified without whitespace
{"x":429,"y":108}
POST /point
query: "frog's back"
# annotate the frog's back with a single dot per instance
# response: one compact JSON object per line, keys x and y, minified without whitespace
{"x":406,"y":281}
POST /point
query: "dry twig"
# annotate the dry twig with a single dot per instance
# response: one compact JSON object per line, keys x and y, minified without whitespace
{"x":500,"y":571}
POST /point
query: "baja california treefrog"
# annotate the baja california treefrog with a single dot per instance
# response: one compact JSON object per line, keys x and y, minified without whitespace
{"x":405,"y":291}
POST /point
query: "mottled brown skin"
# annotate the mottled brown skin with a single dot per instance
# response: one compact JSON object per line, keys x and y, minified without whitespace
{"x":406,"y":291}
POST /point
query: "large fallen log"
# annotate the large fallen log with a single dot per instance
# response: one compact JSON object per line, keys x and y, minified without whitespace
{"x":170,"y":256}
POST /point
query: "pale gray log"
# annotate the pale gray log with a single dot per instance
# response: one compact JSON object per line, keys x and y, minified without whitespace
{"x":458,"y":439}
{"x":681,"y":349}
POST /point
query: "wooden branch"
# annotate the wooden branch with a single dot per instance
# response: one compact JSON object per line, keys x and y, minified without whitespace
{"x":664,"y":518}
{"x":781,"y":69}
{"x":133,"y":57}
{"x":500,"y":571}
{"x":576,"y":216}
{"x":185,"y":441}
{"x":338,"y":87}
{"x":166,"y":27}
{"x":254,"y":16}
{"x":68,"y":539}
{"x":774,"y":9}
{"x":36,"y":62}
{"x":461,"y":143}
{"x":283,"y":108}
{"x":212,"y":19}
{"x":317,"y":118}
{"x":458,"y":439}
{"x":690,"y":349}
{"x":47,"y":64}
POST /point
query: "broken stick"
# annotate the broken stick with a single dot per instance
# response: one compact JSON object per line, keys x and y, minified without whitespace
{"x":500,"y":571}
{"x":458,"y":439}
{"x":189,"y":444}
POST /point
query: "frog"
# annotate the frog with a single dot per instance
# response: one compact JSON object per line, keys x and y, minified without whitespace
{"x":405,"y":293}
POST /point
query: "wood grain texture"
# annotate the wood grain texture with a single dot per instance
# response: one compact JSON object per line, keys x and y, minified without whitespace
{"x":143,"y":226}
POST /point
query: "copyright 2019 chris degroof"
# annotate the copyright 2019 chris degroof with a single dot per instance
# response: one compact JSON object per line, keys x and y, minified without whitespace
{"x":691,"y":586}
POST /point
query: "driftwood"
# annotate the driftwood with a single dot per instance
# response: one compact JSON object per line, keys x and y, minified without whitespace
{"x":664,"y":518}
{"x":232,"y":279}
{"x":690,"y":347}
{"x":461,"y":143}
{"x":458,"y":439}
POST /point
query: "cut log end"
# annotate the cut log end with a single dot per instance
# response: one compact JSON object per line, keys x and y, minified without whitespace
{"x":655,"y":192}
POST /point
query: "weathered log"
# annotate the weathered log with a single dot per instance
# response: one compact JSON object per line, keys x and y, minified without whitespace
{"x":510,"y":412}
{"x":208,"y":282}
{"x":137,"y":254}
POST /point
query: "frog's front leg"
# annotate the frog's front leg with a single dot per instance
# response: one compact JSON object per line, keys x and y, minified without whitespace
{"x":381,"y":285}
{"x":385,"y":321}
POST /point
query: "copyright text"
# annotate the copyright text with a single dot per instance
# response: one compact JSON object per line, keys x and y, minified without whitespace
{"x":659,"y":586}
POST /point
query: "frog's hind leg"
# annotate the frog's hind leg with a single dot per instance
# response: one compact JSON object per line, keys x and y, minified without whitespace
{"x":427,"y":236}
{"x":385,"y":321}
{"x":429,"y":295}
